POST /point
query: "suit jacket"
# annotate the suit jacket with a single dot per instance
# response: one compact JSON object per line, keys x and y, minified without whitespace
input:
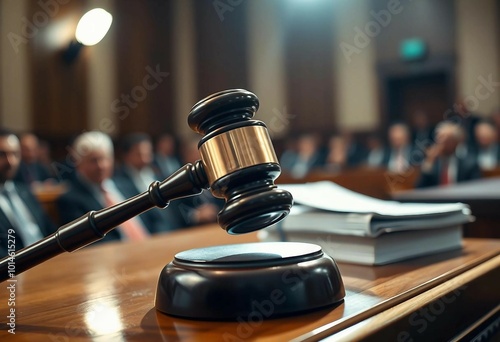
{"x":356,"y":154}
{"x":291,"y":159}
{"x":476,"y":154}
{"x":165,"y":166}
{"x":43,"y":221}
{"x":31,"y":173}
{"x":160,"y":220}
{"x":467,"y":169}
{"x":80,"y":199}
{"x":411,"y":158}
{"x":423,"y":136}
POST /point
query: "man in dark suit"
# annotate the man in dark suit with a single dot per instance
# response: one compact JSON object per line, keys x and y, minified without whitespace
{"x":422,"y":131}
{"x":22,"y":219}
{"x":442,"y":166}
{"x":92,"y":188}
{"x":398,"y":155}
{"x":488,"y":148}
{"x":343,"y":151}
{"x":136,"y":173}
{"x":304,"y":158}
{"x":31,"y":170}
{"x":165,"y":158}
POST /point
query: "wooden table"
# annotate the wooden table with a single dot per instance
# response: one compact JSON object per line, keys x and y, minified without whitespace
{"x":482,"y":195}
{"x":106,"y":293}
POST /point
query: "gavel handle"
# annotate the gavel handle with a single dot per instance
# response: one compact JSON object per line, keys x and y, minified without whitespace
{"x":187,"y":181}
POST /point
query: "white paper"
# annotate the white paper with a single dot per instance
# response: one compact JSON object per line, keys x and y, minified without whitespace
{"x":329,"y":196}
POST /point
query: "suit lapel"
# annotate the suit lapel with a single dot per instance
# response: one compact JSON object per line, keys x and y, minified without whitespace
{"x":90,"y":196}
{"x":5,"y":225}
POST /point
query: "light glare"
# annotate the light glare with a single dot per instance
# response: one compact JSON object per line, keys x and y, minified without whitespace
{"x":93,"y":26}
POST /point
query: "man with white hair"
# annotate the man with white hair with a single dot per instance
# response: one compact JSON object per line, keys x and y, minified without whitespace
{"x":92,"y":188}
{"x":442,"y":165}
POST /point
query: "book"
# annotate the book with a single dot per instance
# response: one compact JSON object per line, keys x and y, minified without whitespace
{"x":381,"y":250}
{"x":356,"y":228}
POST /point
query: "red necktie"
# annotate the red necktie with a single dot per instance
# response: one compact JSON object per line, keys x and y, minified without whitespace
{"x":400,"y":162}
{"x":445,"y":177}
{"x":132,"y":229}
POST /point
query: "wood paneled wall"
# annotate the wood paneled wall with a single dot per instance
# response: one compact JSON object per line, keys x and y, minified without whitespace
{"x":58,"y":90}
{"x":221,"y":47}
{"x":309,"y":64}
{"x":144,"y":99}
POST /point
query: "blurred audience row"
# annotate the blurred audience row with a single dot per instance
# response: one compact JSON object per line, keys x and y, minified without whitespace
{"x":92,"y":182}
{"x":457,"y":149}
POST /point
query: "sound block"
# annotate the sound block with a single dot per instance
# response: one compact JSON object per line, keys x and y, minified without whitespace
{"x":230,"y":282}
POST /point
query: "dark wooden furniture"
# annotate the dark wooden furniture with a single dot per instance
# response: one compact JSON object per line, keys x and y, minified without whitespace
{"x":107,"y":292}
{"x":483,"y":196}
{"x":370,"y":181}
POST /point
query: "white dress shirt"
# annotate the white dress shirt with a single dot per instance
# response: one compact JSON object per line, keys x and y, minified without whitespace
{"x":19,"y":215}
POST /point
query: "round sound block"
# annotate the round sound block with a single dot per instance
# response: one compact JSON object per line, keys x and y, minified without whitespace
{"x":264,"y":279}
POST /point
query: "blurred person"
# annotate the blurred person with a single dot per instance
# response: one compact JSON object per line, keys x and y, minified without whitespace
{"x":287,"y":157}
{"x":343,"y":151}
{"x":92,"y":188}
{"x":442,"y":166}
{"x":137,"y":172}
{"x":397,"y":156}
{"x":31,"y":170}
{"x":355,"y":153}
{"x":21,"y":215}
{"x":336,"y":158}
{"x":421,"y":129}
{"x":495,"y":119}
{"x":165,"y":158}
{"x":137,"y":161}
{"x":44,"y":156}
{"x":375,"y":154}
{"x":488,"y":148}
{"x":203,"y":208}
{"x":305,"y":158}
{"x":468,"y":121}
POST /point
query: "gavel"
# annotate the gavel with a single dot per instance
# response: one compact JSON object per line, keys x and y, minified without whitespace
{"x":238,"y":163}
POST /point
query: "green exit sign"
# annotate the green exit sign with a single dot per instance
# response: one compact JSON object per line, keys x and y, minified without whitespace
{"x":413,"y":49}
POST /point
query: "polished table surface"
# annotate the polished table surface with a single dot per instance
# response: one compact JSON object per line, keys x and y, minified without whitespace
{"x":106,"y":292}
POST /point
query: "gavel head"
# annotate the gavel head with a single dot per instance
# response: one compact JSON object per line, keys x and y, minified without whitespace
{"x":239,"y":161}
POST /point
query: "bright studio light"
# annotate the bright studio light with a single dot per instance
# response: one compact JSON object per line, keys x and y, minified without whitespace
{"x":93,"y":26}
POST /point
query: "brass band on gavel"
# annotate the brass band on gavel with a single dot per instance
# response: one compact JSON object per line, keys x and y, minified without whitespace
{"x":236,"y":149}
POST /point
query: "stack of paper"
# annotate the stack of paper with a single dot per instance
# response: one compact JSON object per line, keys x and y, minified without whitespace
{"x":357,"y":228}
